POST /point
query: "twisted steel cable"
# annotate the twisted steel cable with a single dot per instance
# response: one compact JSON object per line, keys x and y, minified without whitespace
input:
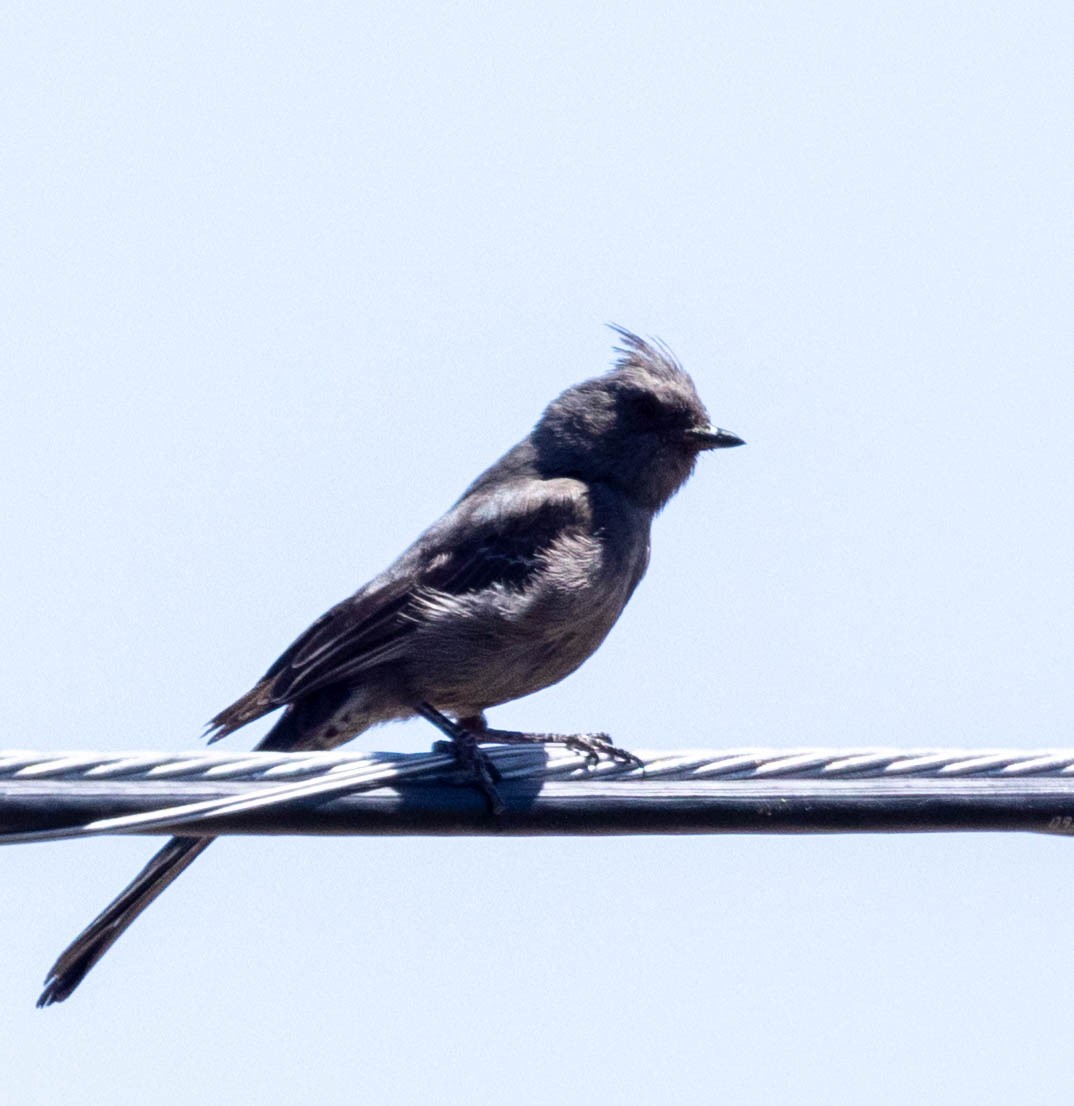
{"x":547,"y":790}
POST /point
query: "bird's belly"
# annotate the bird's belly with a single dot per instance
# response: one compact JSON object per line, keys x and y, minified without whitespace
{"x":470,"y":663}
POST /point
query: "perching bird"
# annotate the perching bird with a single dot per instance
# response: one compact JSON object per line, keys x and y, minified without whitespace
{"x":506,"y":594}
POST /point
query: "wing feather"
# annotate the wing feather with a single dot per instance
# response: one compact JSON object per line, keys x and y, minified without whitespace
{"x":486,"y":541}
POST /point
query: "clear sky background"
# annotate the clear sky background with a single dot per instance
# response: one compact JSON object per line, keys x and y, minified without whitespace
{"x":277,"y":283}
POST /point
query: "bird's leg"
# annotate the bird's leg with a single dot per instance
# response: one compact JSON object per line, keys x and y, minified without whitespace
{"x":594,"y":745}
{"x":464,"y":736}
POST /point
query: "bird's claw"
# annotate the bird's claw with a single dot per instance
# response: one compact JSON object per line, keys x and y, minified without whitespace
{"x":596,"y":745}
{"x":476,"y":767}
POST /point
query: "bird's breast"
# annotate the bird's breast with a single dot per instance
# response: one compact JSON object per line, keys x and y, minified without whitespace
{"x":479,"y":649}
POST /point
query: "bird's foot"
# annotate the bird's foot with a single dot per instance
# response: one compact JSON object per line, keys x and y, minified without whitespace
{"x":466,"y":734}
{"x":475,"y":765}
{"x":593,"y":745}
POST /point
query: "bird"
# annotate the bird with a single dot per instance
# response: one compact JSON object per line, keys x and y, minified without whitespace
{"x":507,"y":593}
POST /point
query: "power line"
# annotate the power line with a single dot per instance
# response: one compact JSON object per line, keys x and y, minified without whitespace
{"x":546,"y":791}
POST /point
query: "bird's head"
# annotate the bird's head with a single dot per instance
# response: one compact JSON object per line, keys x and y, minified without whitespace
{"x":639,"y":427}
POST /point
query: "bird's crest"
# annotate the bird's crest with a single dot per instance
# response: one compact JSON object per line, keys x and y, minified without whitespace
{"x":650,"y":356}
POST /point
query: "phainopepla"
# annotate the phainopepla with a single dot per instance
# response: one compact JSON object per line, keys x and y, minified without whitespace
{"x":506,"y":594}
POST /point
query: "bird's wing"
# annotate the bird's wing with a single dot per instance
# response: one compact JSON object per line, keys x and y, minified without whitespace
{"x":494,"y":540}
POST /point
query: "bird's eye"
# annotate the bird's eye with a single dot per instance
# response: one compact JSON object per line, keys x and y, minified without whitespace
{"x":646,"y":409}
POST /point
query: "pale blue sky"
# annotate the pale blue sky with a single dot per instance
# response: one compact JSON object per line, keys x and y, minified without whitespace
{"x":278,"y":284}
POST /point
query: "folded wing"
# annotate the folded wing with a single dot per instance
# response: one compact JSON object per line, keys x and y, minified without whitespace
{"x":488,"y":541}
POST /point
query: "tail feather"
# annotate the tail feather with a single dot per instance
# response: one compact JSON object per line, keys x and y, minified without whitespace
{"x":256,"y":702}
{"x":99,"y":936}
{"x":306,"y":724}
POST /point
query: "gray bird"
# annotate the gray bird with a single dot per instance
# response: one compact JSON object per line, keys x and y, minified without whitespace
{"x":506,"y":594}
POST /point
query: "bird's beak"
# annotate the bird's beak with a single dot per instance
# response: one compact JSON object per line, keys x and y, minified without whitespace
{"x":712,"y":437}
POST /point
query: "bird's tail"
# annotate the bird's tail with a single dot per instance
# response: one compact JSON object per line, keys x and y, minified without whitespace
{"x":99,"y":936}
{"x":304,"y":725}
{"x":256,"y":702}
